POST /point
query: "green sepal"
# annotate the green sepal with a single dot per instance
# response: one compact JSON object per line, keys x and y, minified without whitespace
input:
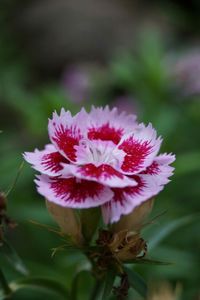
{"x":89,"y":222}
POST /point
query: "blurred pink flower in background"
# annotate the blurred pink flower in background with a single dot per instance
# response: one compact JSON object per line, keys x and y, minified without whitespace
{"x":76,"y":81}
{"x":185,"y":72}
{"x":101,"y":158}
{"x":126,"y":103}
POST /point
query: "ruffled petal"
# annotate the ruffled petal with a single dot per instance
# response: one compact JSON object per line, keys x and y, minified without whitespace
{"x":141,"y":147}
{"x":66,"y":132}
{"x":73,"y":192}
{"x":109,"y":125}
{"x":150,"y":183}
{"x":104,"y":174}
{"x":126,"y":199}
{"x":160,"y":169}
{"x":47,"y":161}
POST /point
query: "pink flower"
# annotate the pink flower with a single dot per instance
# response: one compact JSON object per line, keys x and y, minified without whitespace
{"x":77,"y":83}
{"x":126,"y":103}
{"x":185,"y":72}
{"x":101,"y":158}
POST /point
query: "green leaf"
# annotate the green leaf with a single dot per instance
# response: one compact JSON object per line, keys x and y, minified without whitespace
{"x":74,"y":286}
{"x":171,"y":226}
{"x":97,"y":290}
{"x":5,"y":290}
{"x":44,"y":284}
{"x":2,"y":295}
{"x":109,"y":282}
{"x":136,"y":282}
{"x":147,"y":261}
{"x":187,"y":163}
{"x":13,"y":258}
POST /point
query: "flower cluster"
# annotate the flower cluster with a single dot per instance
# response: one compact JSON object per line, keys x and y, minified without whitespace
{"x":102,"y":158}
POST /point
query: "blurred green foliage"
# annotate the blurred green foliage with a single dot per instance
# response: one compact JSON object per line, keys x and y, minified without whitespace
{"x":24,"y":110}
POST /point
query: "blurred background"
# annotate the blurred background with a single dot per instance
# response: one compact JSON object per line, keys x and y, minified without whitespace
{"x":140,"y":56}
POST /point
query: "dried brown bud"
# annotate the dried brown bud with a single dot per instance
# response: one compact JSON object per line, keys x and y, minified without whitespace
{"x":104,"y":238}
{"x":119,"y":247}
{"x":127,"y":246}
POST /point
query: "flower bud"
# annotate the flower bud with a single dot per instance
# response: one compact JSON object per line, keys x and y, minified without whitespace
{"x":135,"y":220}
{"x":67,"y":221}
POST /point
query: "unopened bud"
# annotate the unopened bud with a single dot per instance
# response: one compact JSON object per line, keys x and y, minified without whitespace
{"x":67,"y":221}
{"x":135,"y":220}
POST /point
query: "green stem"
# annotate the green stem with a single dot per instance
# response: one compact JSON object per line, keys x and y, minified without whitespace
{"x":96,"y":290}
{"x":4,"y":284}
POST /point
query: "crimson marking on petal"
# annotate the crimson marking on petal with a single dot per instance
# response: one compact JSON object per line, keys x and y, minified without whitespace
{"x":52,"y":161}
{"x":119,"y":192}
{"x":105,"y":133}
{"x":104,"y":174}
{"x":66,"y":139}
{"x":136,"y":153}
{"x":135,"y":190}
{"x":126,"y":199}
{"x":153,"y":169}
{"x":72,"y":190}
{"x":97,"y":172}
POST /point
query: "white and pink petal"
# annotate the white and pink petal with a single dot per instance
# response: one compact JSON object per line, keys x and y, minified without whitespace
{"x":66,"y":132}
{"x":73,"y":192}
{"x":141,"y":147}
{"x":48,"y":161}
{"x":126,"y":199}
{"x":150,"y":183}
{"x":108,"y":124}
{"x":104,"y":174}
{"x":160,"y":169}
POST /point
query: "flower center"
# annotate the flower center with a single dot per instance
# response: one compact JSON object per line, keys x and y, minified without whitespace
{"x":100,"y":153}
{"x":96,"y":152}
